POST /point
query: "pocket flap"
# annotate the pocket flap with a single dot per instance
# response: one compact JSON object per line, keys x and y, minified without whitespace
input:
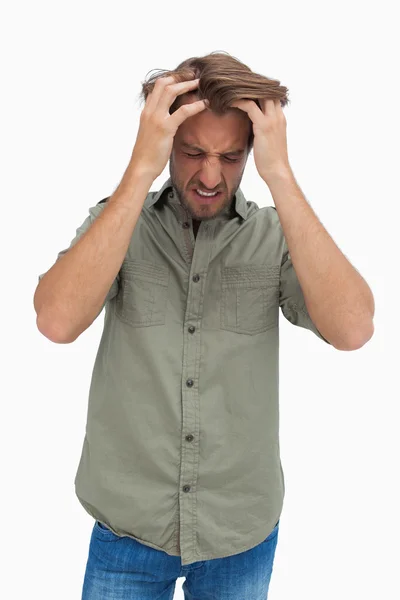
{"x":146,"y":270}
{"x":250,"y":276}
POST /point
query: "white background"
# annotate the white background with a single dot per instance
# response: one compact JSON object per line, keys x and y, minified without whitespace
{"x":71,"y":74}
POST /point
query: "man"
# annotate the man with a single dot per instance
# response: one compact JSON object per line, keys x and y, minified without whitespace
{"x":180,"y":465}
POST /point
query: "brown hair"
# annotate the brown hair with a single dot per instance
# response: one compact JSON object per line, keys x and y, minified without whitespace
{"x":223,"y":79}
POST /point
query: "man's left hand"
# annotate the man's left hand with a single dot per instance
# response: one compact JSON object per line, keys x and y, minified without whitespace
{"x":270,"y":144}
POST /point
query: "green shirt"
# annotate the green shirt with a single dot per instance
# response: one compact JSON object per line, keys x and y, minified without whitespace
{"x":181,"y":450}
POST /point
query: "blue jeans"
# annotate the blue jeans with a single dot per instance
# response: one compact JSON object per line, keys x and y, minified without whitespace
{"x":121,"y":568}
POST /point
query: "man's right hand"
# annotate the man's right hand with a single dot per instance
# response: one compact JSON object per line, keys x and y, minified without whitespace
{"x":157,"y":127}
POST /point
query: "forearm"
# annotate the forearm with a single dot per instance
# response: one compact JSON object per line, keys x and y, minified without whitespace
{"x":338,"y":299}
{"x":71,"y":294}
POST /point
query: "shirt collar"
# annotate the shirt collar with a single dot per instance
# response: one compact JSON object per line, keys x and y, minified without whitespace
{"x":239,"y":202}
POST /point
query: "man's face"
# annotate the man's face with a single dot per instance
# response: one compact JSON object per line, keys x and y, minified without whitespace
{"x":209,"y":153}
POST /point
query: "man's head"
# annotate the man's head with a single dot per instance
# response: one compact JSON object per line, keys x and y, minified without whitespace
{"x":211,"y":148}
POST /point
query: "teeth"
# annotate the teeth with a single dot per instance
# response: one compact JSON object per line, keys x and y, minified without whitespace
{"x":205,"y":194}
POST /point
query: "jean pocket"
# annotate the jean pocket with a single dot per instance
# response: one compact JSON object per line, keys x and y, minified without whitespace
{"x":249,"y":298}
{"x":143,"y":293}
{"x":103,"y":531}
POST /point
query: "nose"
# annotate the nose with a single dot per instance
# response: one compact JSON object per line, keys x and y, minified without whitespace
{"x":210,"y":175}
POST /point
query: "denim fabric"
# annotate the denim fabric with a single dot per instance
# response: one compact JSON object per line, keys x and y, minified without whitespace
{"x":121,"y":568}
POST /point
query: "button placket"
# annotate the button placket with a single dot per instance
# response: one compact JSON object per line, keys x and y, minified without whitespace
{"x":201,"y":256}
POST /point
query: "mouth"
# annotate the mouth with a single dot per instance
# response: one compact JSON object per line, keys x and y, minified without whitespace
{"x":205,"y":199}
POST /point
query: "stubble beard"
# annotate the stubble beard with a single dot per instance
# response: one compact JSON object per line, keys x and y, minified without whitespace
{"x":227,"y":206}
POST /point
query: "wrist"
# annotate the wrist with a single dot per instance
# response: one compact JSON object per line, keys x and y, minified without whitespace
{"x":139,"y":172}
{"x":279,"y":175}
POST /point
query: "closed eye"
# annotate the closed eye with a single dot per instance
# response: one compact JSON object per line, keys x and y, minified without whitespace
{"x":225,"y":157}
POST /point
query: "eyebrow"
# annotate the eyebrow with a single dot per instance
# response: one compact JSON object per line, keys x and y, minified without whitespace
{"x":194,"y":147}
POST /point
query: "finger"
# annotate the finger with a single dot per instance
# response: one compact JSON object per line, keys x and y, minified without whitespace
{"x":269,"y":107}
{"x":279,"y":110}
{"x":154,"y":96}
{"x":187,"y":110}
{"x":251,"y":108}
{"x":171,"y":92}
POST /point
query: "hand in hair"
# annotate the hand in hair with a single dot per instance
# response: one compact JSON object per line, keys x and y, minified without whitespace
{"x":158,"y":127}
{"x":270,"y":143}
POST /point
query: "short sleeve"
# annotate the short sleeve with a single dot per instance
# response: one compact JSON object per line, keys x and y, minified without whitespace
{"x":94,"y":212}
{"x":291,"y":298}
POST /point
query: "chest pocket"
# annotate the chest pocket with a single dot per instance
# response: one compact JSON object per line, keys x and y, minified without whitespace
{"x":142,"y":298}
{"x":249,"y":298}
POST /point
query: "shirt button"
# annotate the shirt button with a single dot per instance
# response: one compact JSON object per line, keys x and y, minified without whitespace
{"x":191,"y":329}
{"x":171,"y":194}
{"x":189,"y":382}
{"x":186,"y":488}
{"x":196,"y":277}
{"x":186,"y":225}
{"x":189,"y":437}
